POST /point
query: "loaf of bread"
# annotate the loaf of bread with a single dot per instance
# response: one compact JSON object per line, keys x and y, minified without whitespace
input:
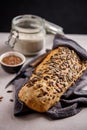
{"x":51,"y":78}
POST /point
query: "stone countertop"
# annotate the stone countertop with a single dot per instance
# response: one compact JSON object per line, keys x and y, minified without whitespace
{"x":34,"y":121}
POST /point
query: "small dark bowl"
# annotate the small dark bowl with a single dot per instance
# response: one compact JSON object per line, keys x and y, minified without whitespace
{"x":12,"y":68}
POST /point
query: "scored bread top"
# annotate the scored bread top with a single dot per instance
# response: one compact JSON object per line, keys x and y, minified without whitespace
{"x":51,"y":78}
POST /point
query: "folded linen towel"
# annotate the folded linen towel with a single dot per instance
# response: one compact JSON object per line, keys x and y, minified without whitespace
{"x":72,"y":101}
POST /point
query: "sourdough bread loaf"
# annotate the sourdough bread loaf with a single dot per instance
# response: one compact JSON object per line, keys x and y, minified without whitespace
{"x":51,"y":78}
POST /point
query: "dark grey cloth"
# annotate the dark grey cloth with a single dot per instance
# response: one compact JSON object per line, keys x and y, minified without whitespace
{"x":72,"y":101}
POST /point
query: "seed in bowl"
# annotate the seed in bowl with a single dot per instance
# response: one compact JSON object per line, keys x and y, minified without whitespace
{"x":12,"y":60}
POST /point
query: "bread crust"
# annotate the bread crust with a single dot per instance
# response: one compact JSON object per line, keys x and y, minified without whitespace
{"x":51,"y":78}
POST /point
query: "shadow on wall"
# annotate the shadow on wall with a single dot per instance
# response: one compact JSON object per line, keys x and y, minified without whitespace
{"x":70,"y":14}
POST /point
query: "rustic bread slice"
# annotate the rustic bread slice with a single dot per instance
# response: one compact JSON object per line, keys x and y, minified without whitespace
{"x":52,"y":77}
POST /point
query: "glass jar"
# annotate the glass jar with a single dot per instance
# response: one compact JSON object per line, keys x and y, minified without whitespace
{"x":27,"y":34}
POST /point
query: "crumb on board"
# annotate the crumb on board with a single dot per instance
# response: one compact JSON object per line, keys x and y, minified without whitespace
{"x":1,"y":97}
{"x":9,"y":91}
{"x":11,"y":100}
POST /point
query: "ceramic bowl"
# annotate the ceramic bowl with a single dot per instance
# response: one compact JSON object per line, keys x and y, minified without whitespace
{"x":13,"y":66}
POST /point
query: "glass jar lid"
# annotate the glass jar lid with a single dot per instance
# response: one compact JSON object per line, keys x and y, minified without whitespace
{"x":27,"y":24}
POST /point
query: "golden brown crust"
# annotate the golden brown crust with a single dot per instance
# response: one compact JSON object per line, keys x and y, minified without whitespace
{"x":52,"y":77}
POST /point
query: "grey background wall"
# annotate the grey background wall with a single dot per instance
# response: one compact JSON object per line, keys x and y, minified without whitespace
{"x":70,"y":14}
